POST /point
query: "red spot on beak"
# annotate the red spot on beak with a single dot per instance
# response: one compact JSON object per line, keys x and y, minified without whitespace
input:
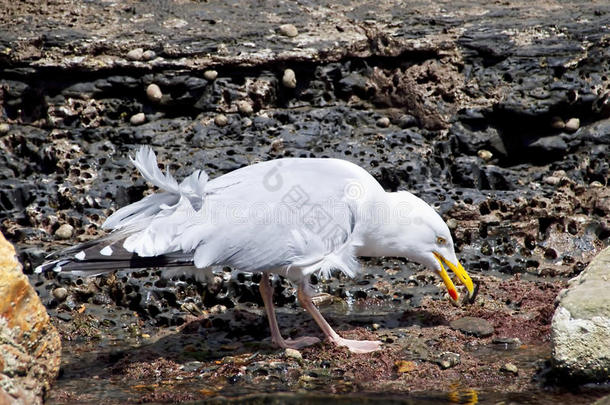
{"x":453,"y":294}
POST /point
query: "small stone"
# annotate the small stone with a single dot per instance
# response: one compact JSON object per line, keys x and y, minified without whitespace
{"x":471,"y":325}
{"x":448,"y":359}
{"x":375,"y":326}
{"x":507,"y":341}
{"x":148,"y":55}
{"x":288,"y":30}
{"x":277,"y":145}
{"x":221,"y":120}
{"x":210,"y":75}
{"x":383,"y":122}
{"x":65,"y":231}
{"x":153,"y":92}
{"x":247,"y":122}
{"x":293,"y":354}
{"x":218,"y":309}
{"x":135,"y":54}
{"x":138,"y":119}
{"x":596,"y":184}
{"x":552,"y":180}
{"x":245,"y":107}
{"x":485,"y":154}
{"x":60,"y":294}
{"x":289,"y":79}
{"x":509,"y":368}
{"x":452,"y":223}
{"x":557,"y":123}
{"x":4,"y":128}
{"x":572,"y":125}
{"x":550,"y":144}
{"x":64,"y":317}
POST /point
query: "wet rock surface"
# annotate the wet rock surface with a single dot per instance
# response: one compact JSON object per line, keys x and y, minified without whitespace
{"x":466,"y":105}
{"x":581,"y":324}
{"x":473,"y":326}
{"x":30,"y":346}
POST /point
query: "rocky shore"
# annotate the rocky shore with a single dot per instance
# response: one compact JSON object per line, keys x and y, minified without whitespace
{"x":497,"y":114}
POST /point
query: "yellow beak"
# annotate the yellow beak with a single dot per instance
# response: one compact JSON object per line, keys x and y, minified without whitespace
{"x":459,"y":272}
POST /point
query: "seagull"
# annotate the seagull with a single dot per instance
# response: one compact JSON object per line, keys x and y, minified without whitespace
{"x":292,"y":216}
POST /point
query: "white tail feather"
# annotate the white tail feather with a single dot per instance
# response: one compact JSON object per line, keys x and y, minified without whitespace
{"x":151,"y":224}
{"x":146,"y":163}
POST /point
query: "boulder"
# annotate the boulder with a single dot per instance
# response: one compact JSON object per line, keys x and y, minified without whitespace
{"x":30,"y":347}
{"x":581,"y":324}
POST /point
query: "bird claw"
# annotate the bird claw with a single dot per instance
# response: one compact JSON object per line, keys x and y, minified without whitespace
{"x":360,"y":346}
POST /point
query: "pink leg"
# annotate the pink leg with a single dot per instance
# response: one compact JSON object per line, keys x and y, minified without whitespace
{"x":355,"y":346}
{"x":276,"y":337}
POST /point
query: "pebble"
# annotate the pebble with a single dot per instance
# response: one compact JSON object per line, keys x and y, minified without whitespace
{"x":448,"y":359}
{"x":288,"y":30}
{"x":245,"y":107}
{"x":218,"y":309}
{"x":64,"y":317}
{"x":552,"y":180}
{"x":148,"y":55}
{"x":277,"y":145}
{"x":572,"y":125}
{"x":507,"y":341}
{"x":557,"y":123}
{"x":289,"y":79}
{"x":4,"y":128}
{"x":221,"y":120}
{"x":485,"y":154}
{"x":596,"y":184}
{"x":153,"y":92}
{"x":65,"y":231}
{"x":509,"y":368}
{"x":135,"y":54}
{"x":293,"y":354}
{"x":137,"y":119}
{"x":452,"y":223}
{"x":60,"y":294}
{"x":471,"y":325}
{"x":210,"y":75}
{"x":383,"y":122}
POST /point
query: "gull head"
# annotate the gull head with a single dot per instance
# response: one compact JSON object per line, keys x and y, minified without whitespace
{"x":421,"y":235}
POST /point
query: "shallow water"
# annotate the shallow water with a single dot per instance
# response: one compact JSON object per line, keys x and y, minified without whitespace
{"x":89,"y":370}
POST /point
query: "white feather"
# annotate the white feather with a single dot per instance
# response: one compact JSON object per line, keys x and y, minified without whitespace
{"x":290,"y":216}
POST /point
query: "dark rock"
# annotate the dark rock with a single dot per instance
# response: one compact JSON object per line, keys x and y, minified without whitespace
{"x":352,"y":84}
{"x":507,"y":342}
{"x":549,"y":146}
{"x":473,"y":326}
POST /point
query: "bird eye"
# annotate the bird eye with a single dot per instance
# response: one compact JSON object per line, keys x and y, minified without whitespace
{"x":440,"y":240}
